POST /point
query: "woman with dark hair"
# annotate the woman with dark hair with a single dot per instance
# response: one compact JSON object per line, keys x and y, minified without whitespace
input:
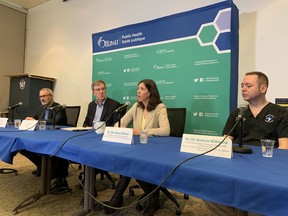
{"x":149,"y":114}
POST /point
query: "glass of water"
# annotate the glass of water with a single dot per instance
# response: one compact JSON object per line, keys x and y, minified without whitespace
{"x":267,"y":146}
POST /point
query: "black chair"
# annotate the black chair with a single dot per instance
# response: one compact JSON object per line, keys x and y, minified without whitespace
{"x":72,"y":113}
{"x":177,"y":118}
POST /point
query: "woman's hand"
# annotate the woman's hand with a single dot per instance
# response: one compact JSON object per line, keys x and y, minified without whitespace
{"x":136,"y":132}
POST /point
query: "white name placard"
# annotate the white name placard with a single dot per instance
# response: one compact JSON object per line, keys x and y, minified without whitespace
{"x":28,"y":125}
{"x":3,"y":122}
{"x":119,"y":135}
{"x":198,"y":144}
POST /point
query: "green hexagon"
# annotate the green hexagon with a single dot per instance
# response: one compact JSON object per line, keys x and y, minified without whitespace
{"x":207,"y":34}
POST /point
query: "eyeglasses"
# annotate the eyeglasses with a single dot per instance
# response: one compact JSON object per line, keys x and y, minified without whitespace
{"x":99,"y":89}
{"x":42,"y":96}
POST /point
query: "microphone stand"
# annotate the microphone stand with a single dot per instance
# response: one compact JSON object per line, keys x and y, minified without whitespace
{"x":119,"y":116}
{"x":54,"y":121}
{"x":12,"y":115}
{"x":240,"y":148}
{"x":119,"y":119}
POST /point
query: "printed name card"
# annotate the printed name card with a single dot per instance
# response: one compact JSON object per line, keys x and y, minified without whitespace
{"x":28,"y":125}
{"x":119,"y":135}
{"x":198,"y":144}
{"x":3,"y":122}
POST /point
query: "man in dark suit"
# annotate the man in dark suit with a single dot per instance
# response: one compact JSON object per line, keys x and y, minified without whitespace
{"x":101,"y":108}
{"x":56,"y":116}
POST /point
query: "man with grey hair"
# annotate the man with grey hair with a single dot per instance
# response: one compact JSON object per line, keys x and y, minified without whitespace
{"x":56,"y":117}
{"x":101,"y":108}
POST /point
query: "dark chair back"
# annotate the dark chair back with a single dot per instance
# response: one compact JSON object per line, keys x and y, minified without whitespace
{"x":177,"y":117}
{"x":72,"y":113}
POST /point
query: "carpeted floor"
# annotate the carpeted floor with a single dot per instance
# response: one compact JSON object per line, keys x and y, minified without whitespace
{"x":16,"y":188}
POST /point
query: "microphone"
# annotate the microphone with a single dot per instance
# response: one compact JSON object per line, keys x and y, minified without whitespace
{"x":122,"y":107}
{"x":58,"y":106}
{"x":16,"y":105}
{"x":54,"y":109}
{"x":241,"y":111}
{"x":117,"y":111}
{"x":239,"y":119}
{"x":12,"y":110}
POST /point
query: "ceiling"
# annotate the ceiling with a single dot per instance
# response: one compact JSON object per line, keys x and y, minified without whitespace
{"x":22,"y":4}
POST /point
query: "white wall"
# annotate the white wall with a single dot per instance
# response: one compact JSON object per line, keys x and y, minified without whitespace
{"x":59,"y":42}
{"x":263,"y":42}
{"x":12,"y":44}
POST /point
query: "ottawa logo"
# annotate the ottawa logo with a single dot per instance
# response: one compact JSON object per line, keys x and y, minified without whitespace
{"x":106,"y":43}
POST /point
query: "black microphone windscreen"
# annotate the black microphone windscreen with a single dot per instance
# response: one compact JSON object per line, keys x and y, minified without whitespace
{"x":241,"y":111}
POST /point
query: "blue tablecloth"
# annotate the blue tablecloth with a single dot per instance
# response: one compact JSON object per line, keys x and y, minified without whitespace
{"x":247,"y":181}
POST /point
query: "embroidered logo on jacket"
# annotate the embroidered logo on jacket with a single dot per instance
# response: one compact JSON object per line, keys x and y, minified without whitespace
{"x":269,"y":118}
